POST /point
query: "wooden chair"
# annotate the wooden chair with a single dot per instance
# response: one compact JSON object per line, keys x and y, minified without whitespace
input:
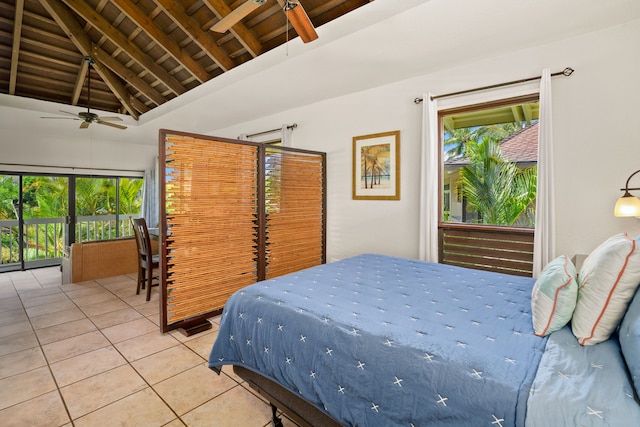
{"x":147,"y":262}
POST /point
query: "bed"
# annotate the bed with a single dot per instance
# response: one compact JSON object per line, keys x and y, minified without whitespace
{"x":376,"y":340}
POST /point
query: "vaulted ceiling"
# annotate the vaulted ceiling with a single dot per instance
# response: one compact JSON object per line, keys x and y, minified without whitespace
{"x":143,"y":52}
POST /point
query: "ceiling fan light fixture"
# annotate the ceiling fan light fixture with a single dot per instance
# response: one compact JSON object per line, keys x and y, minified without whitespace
{"x":87,"y":117}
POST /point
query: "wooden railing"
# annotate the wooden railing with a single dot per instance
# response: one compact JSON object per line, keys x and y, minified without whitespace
{"x":494,"y":248}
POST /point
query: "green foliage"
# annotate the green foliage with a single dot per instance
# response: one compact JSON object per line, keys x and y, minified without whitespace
{"x":8,"y":197}
{"x":497,"y":189}
{"x":458,"y":140}
{"x":130,"y":195}
{"x":92,"y":196}
{"x":47,"y":197}
{"x":51,"y":198}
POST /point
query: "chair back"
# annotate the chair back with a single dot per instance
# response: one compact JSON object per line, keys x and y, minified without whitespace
{"x":142,"y":239}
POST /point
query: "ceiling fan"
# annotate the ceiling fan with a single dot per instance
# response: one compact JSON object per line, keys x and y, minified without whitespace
{"x":294,"y":11}
{"x":87,"y":117}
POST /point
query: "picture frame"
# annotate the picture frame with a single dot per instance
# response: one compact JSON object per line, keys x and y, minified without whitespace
{"x":376,"y":166}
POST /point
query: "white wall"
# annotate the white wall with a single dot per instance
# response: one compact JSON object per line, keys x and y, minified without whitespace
{"x":596,"y":146}
{"x":56,"y":145}
{"x":594,"y":110}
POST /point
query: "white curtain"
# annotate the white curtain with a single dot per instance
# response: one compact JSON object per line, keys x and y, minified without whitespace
{"x":544,"y":243}
{"x":429,"y":191}
{"x":287,"y":135}
{"x":150,"y":196}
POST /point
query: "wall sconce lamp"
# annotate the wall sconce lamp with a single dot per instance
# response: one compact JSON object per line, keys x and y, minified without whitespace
{"x":628,"y":204}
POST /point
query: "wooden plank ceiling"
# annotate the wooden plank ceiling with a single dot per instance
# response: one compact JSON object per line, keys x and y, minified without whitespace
{"x":144,"y":52}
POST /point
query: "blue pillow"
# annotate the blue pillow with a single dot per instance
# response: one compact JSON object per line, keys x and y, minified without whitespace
{"x":629,"y":336}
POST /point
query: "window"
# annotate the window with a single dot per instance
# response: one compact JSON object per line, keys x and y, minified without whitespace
{"x":103,"y":207}
{"x":489,"y":158}
{"x":488,"y":184}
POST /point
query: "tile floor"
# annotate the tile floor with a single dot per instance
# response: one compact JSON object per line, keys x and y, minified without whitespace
{"x":91,"y":354}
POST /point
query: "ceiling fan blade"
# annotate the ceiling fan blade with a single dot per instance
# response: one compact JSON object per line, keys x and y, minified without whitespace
{"x":236,"y":15}
{"x":67,"y":112}
{"x":300,"y":21}
{"x":111,"y":119}
{"x":63,"y":118}
{"x":114,"y":125}
{"x":84,"y":125}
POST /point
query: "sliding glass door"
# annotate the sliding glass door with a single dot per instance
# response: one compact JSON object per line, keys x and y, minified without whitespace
{"x":36,"y":211}
{"x":45,"y":213}
{"x":10,"y":235}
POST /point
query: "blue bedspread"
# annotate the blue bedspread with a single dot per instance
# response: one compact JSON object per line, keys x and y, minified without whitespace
{"x":382,"y":341}
{"x":582,"y":386}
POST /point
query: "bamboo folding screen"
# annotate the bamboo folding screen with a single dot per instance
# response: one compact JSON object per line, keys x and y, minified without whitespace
{"x":294,"y":224}
{"x":233,"y":213}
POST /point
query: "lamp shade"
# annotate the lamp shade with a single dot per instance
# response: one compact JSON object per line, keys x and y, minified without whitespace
{"x":627,"y":205}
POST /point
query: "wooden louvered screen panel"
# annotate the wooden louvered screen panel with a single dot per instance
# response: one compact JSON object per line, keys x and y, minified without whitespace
{"x":295,"y":210}
{"x":502,"y":249}
{"x":211,"y":196}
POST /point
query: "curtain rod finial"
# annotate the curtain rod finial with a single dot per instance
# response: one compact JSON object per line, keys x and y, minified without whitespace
{"x":417,"y":100}
{"x":568,"y":71}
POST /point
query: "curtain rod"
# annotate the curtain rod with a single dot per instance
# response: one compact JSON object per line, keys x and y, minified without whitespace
{"x":293,"y":126}
{"x":566,"y":72}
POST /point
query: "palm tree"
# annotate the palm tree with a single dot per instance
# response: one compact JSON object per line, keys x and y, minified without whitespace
{"x":374,"y":162}
{"x":458,"y":139}
{"x":8,"y":196}
{"x":47,"y":199}
{"x":130,"y":199}
{"x":498,"y":190}
{"x":498,"y":131}
{"x":457,"y":142}
{"x":90,"y":197}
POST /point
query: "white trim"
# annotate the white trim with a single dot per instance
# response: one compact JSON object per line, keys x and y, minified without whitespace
{"x":65,"y":170}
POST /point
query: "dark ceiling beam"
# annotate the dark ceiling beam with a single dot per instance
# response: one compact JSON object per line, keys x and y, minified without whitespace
{"x":139,"y":105}
{"x":69,"y":24}
{"x":193,"y":29}
{"x":146,"y":23}
{"x":240,"y":31}
{"x":15,"y":51}
{"x":325,"y":7}
{"x":120,"y":40}
{"x":41,"y":57}
{"x":77,"y":88}
{"x":126,"y":74}
{"x":117,"y":88}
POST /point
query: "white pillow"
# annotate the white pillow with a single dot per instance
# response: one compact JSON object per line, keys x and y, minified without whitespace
{"x":607,"y":281}
{"x":554,"y":295}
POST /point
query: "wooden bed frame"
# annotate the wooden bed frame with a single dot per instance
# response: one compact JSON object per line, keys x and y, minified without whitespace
{"x":296,"y":408}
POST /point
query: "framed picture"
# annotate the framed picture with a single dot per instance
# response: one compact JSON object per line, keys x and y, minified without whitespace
{"x":376,"y":166}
